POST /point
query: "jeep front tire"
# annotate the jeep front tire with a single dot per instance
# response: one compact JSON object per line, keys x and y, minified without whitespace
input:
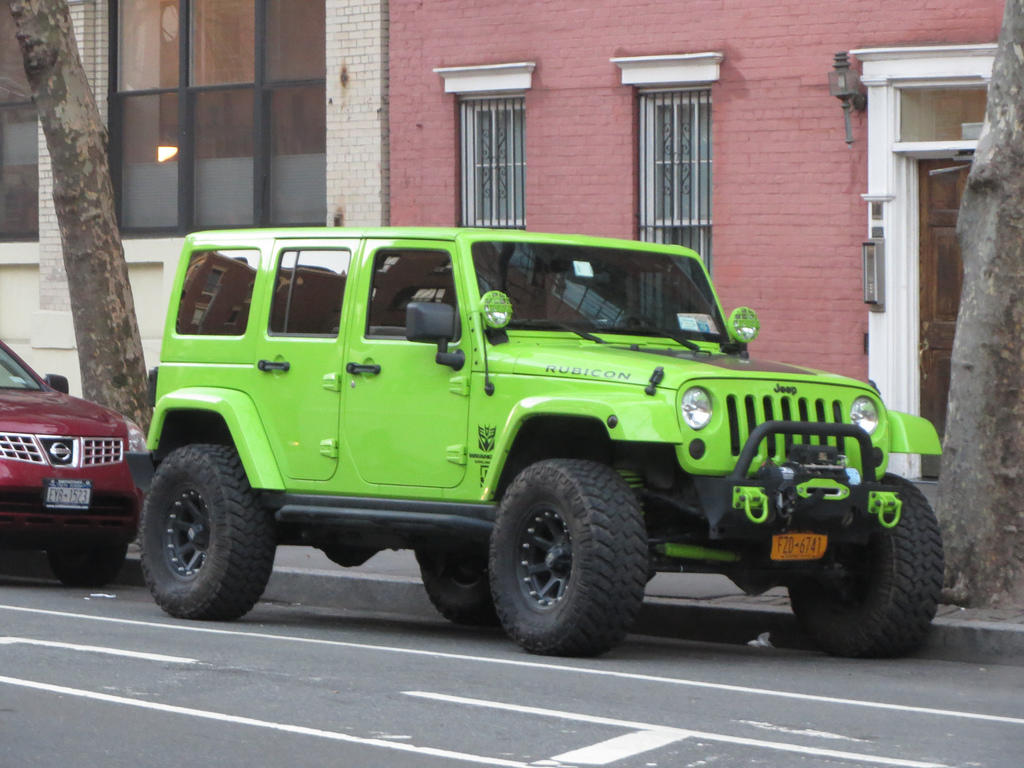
{"x":568,"y":558}
{"x":883,"y":597}
{"x":207,"y":546}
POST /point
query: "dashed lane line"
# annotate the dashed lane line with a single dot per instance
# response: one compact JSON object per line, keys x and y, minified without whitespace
{"x":548,"y":667}
{"x":617,"y":749}
{"x":267,"y":724}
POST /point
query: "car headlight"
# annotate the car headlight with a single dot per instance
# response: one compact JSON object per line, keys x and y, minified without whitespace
{"x":696,"y":407}
{"x":864,"y":413}
{"x":136,"y":437}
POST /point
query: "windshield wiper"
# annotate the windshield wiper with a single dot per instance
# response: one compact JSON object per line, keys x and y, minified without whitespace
{"x":561,"y":327}
{"x":663,"y":332}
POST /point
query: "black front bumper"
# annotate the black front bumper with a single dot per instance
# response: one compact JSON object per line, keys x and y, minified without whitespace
{"x":843,"y":510}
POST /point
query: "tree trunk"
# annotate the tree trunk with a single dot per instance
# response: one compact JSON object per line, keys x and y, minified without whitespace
{"x":981,"y":490}
{"x":109,"y":346}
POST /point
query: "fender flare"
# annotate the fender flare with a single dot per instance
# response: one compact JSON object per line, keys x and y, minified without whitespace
{"x":912,"y":434}
{"x":641,"y":428}
{"x":239,"y":413}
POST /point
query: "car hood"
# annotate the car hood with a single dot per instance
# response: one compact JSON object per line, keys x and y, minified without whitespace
{"x":53,"y":413}
{"x":622,"y":364}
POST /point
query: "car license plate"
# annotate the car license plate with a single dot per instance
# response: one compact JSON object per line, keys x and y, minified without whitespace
{"x":799,"y":546}
{"x":66,"y":494}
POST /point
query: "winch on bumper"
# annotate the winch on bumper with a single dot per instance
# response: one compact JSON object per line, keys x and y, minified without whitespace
{"x":812,"y":490}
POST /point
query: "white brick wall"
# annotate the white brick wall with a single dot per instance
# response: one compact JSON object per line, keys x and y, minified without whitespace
{"x":357,"y":112}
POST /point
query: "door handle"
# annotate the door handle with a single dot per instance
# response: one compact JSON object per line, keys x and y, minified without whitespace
{"x":360,"y":368}
{"x":273,"y":365}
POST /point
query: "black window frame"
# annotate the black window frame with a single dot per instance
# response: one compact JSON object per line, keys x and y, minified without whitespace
{"x":262,"y":88}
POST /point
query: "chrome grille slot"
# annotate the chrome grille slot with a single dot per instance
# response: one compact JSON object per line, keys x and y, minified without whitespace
{"x":97,"y":451}
{"x":17,"y":447}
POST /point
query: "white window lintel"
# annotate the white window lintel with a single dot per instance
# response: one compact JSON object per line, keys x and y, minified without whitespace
{"x":965,"y":64}
{"x":488,"y":78}
{"x":670,"y":69}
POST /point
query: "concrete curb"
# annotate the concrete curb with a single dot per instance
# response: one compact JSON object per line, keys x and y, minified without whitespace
{"x":979,"y":642}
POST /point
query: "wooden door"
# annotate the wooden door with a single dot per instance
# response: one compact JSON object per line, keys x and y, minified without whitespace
{"x":941,"y":275}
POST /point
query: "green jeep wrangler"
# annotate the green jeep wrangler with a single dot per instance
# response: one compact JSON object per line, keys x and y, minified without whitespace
{"x":546,"y":420}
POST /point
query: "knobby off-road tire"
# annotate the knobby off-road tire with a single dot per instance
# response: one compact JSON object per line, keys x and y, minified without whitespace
{"x":207,"y":546}
{"x":887,"y":600}
{"x":458,"y":585}
{"x":88,"y":566}
{"x":568,"y":558}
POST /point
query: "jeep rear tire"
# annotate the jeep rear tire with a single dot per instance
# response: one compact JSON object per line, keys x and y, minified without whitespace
{"x":568,"y":558}
{"x":87,"y":566}
{"x":457,"y":584}
{"x":886,"y":594}
{"x":207,"y":546}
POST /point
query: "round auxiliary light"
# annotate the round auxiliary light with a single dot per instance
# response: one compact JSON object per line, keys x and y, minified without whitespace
{"x":497,"y":309}
{"x":743,"y":325}
{"x":864,"y":413}
{"x":696,"y":407}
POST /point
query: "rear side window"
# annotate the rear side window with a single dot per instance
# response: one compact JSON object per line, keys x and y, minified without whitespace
{"x":217,"y":292}
{"x":401,"y":276}
{"x":308,"y":292}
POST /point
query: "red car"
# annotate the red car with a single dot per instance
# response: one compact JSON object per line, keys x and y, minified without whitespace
{"x":65,"y":486}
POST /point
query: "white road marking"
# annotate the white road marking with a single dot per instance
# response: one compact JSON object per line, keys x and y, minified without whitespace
{"x":610,"y":673}
{"x":249,"y":721}
{"x":619,"y":748}
{"x":679,"y":733}
{"x":97,"y":649}
{"x":799,"y":731}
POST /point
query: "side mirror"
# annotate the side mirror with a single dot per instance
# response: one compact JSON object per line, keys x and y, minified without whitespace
{"x":58,"y":382}
{"x":430,"y":322}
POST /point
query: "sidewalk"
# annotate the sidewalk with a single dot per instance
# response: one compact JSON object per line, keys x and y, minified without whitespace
{"x":699,"y":607}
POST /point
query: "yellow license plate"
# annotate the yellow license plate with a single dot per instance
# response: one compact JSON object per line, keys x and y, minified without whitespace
{"x":799,"y":546}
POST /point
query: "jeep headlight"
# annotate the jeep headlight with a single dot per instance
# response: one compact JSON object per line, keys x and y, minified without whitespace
{"x":864,"y":413}
{"x":696,"y":407}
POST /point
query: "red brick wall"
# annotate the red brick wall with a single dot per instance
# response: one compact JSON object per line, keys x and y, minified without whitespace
{"x":788,"y":217}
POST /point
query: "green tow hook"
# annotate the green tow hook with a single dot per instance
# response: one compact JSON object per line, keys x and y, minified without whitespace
{"x":752,"y":500}
{"x":887,"y":506}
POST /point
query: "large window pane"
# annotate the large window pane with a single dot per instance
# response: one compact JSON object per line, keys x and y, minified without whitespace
{"x":295,"y":40}
{"x":223,"y":41}
{"x":13,"y":83}
{"x":224,"y":159}
{"x":149,"y":167}
{"x":298,"y":166}
{"x":940,"y":114}
{"x":148,"y":53}
{"x":19,"y":172}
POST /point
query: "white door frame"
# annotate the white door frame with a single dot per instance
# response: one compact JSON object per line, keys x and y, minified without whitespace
{"x":892,"y":186}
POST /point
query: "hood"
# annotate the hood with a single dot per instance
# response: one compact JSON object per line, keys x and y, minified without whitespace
{"x":52,"y":413}
{"x":623,"y":364}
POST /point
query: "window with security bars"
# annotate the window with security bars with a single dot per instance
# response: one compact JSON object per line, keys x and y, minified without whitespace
{"x":675,"y":169}
{"x":493,"y":163}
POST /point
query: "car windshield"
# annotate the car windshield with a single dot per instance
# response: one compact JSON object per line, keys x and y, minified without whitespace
{"x":13,"y":375}
{"x":603,"y":290}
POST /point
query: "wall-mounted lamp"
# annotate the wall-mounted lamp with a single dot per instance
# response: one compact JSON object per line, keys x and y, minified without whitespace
{"x":844,"y":84}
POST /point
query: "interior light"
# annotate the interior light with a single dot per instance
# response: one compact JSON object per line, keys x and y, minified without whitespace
{"x":163,"y":154}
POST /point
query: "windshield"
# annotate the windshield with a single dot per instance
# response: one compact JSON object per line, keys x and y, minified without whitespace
{"x":13,"y":375}
{"x":606,"y":290}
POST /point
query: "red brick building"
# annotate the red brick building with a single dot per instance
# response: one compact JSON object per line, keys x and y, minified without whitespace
{"x":711,"y":123}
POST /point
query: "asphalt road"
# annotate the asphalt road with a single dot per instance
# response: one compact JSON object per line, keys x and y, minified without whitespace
{"x":108,"y":680}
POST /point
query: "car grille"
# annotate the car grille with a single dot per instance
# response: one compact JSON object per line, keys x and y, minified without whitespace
{"x":76,"y":451}
{"x":21,"y":448}
{"x":746,"y":412}
{"x":101,"y":450}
